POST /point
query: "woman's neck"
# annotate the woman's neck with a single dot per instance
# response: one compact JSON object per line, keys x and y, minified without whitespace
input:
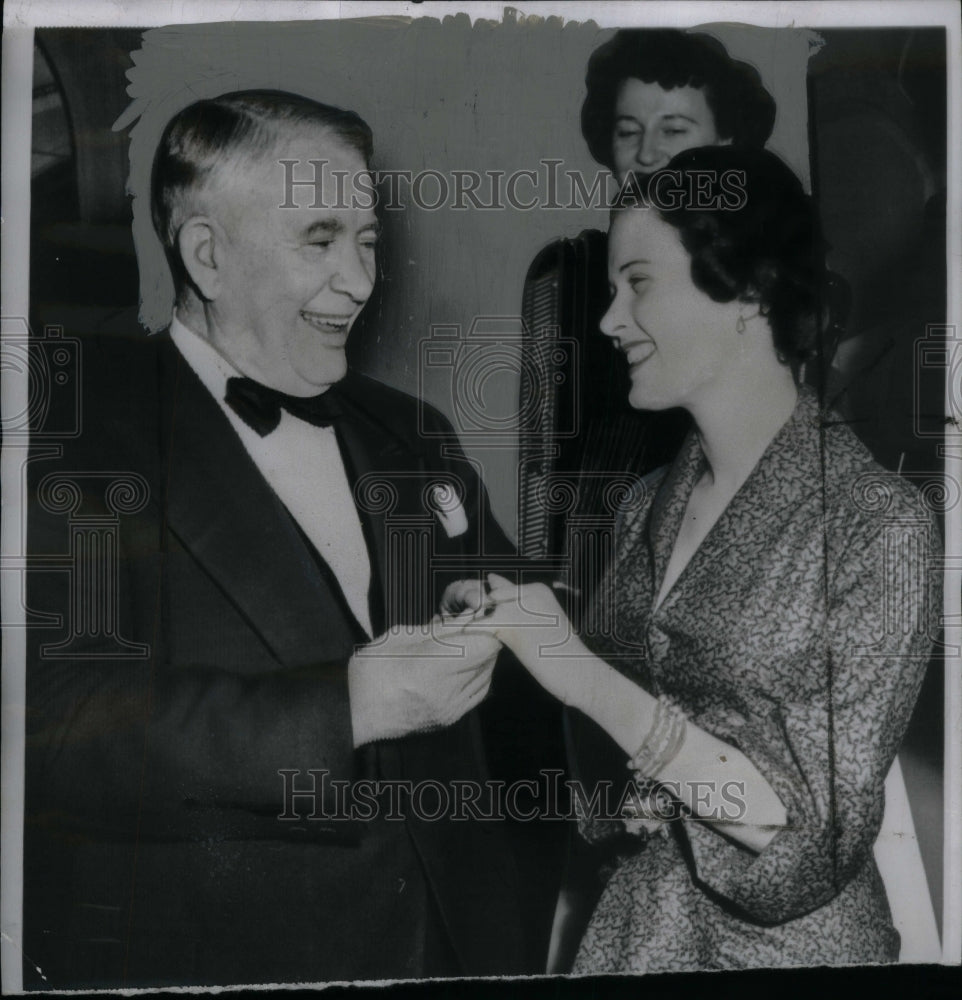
{"x":737,"y":421}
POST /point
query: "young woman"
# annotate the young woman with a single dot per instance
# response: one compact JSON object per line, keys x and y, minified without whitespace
{"x":651,"y":93}
{"x":755,"y":678}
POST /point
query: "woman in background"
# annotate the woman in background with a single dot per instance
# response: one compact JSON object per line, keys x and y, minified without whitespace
{"x":752,"y":679}
{"x":651,"y":93}
{"x":654,"y":92}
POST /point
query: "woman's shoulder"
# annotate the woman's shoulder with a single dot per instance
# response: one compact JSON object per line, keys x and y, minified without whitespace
{"x":838,"y":466}
{"x":859,"y":485}
{"x":870,"y":512}
{"x":833,"y":488}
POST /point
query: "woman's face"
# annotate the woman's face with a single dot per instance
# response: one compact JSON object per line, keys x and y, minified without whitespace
{"x":679,"y":342}
{"x":653,"y":124}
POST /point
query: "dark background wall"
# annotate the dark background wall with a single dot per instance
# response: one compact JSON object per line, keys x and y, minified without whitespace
{"x":878,"y":107}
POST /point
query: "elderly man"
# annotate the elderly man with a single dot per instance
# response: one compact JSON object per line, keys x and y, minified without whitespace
{"x":189,"y":762}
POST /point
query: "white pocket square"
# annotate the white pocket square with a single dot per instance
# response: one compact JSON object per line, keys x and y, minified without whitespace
{"x":449,"y":509}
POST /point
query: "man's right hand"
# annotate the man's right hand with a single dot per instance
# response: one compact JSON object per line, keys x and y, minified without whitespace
{"x":414,"y":681}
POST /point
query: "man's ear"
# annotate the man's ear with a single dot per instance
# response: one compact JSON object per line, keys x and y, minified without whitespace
{"x":199,"y":242}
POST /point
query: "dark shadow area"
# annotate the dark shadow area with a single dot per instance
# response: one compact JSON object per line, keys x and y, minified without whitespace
{"x":878,"y":113}
{"x":83,"y":271}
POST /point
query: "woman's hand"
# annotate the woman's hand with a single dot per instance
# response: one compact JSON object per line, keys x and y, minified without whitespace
{"x":526,"y":618}
{"x":533,"y":625}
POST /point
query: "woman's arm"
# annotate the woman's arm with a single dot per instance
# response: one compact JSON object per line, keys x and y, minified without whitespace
{"x":533,"y":625}
{"x":826,"y":744}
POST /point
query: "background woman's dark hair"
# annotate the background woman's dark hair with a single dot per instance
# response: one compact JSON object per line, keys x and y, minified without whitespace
{"x":760,"y":241}
{"x":743,"y":109}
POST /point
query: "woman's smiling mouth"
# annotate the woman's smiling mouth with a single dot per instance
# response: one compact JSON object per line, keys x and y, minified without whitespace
{"x":639,"y":352}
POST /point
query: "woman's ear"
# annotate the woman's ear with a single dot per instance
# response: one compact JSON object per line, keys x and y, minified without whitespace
{"x":199,"y":248}
{"x":748,"y":313}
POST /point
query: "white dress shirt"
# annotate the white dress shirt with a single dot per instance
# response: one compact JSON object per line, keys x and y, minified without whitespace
{"x":303,"y":465}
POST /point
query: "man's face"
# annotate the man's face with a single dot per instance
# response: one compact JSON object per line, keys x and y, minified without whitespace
{"x":293,"y":280}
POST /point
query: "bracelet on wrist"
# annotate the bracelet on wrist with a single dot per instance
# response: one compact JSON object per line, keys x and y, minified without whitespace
{"x":663,"y":742}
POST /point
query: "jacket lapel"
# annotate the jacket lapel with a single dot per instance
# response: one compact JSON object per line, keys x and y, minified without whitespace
{"x":387,"y":476}
{"x":669,"y":504}
{"x":788,"y":470}
{"x":223,"y":511}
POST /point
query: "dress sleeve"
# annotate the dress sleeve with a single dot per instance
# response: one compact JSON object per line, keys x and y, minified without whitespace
{"x":827,"y":752}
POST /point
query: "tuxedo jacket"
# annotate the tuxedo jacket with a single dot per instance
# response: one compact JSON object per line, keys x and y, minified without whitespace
{"x":190,"y":648}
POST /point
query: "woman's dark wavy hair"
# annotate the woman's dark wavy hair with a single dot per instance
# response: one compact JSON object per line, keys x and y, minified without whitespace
{"x":743,"y":109}
{"x":764,"y":247}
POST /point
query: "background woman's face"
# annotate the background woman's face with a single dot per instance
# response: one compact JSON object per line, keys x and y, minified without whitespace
{"x":653,"y":124}
{"x":677,"y":340}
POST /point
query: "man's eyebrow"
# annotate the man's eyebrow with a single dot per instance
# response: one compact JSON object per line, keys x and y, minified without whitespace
{"x":323,"y":227}
{"x":669,"y":114}
{"x":333,"y":227}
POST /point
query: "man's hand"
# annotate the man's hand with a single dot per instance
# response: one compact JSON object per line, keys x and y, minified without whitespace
{"x":413,"y":681}
{"x":461,"y":596}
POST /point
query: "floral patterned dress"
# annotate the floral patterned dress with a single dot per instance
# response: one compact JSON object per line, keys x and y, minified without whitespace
{"x":799,"y":633}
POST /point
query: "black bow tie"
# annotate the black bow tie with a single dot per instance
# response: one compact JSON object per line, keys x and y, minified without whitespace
{"x":260,"y":407}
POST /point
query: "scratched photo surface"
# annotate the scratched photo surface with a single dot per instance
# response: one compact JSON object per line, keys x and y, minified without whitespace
{"x":434,"y":573}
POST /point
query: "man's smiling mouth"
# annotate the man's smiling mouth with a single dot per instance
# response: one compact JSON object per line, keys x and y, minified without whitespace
{"x":332,"y":324}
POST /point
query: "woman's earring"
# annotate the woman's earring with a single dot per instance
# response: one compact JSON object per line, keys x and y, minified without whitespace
{"x":740,"y":325}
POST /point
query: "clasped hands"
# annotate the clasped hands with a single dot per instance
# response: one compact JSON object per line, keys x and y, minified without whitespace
{"x":416,"y":679}
{"x":527,"y":619}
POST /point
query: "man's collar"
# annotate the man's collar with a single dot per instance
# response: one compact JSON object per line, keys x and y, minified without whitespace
{"x":211,"y":367}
